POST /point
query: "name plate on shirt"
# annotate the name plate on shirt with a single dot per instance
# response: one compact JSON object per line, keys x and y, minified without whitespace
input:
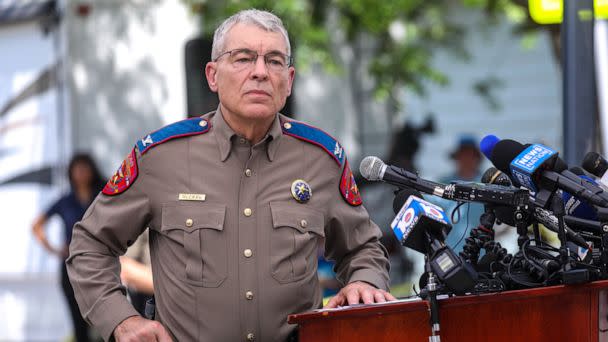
{"x":191,"y":197}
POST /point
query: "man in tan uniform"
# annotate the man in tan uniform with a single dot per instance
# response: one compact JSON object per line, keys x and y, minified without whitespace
{"x":235,"y":202}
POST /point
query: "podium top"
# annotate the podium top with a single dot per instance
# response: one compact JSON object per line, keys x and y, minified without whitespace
{"x":417,"y":304}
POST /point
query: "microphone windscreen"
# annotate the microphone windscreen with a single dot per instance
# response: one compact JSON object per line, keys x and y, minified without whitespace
{"x":486,"y":145}
{"x":504,"y":152}
{"x":401,"y":197}
{"x":595,"y":164}
{"x":371,"y":167}
{"x":495,"y":176}
{"x":504,"y":214}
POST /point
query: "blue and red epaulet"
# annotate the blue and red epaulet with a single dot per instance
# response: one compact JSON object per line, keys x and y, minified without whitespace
{"x":175,"y":130}
{"x":315,"y":136}
{"x":128,"y":171}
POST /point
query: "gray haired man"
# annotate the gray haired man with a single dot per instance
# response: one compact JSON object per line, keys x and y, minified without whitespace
{"x":236,"y":202}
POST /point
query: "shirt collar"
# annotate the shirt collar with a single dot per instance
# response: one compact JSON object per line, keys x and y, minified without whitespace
{"x":225,"y":136}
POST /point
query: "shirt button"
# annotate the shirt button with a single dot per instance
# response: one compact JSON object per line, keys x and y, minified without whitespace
{"x":248,"y":253}
{"x":242,"y":141}
{"x":203,"y":123}
{"x":303,"y":223}
{"x":247,"y":212}
{"x":249,"y":295}
{"x":250,"y":337}
{"x":189,"y":222}
{"x":248,"y":172}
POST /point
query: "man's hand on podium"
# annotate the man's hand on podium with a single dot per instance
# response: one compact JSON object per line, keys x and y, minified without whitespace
{"x":359,"y":291}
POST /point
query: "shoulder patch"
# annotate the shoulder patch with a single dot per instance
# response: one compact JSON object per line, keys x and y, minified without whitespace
{"x":348,"y":187}
{"x":124,"y":177}
{"x":175,"y":130}
{"x":317,"y":137}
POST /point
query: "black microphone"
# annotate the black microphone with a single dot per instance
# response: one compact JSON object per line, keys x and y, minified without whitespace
{"x":596,"y":165}
{"x":537,"y":166}
{"x":418,"y":221}
{"x":374,"y":169}
{"x":546,"y":218}
{"x":423,"y":226}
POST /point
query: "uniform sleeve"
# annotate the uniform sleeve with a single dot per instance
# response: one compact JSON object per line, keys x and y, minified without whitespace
{"x":109,"y":226}
{"x":352,"y":241}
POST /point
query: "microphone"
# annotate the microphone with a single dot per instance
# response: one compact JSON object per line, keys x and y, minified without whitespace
{"x":537,"y":167}
{"x":423,"y":226}
{"x":577,"y":207}
{"x":544,"y":217}
{"x":596,"y":165}
{"x":374,"y":169}
{"x":418,"y":218}
{"x":495,"y":176}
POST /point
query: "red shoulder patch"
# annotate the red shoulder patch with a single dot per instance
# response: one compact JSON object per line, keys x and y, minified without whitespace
{"x":348,"y":187}
{"x":124,"y":177}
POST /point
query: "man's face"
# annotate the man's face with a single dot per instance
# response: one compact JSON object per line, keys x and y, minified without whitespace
{"x":255,"y":92}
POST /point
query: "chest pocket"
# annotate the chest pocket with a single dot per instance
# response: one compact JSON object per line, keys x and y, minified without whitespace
{"x":297,"y":229}
{"x":204,"y":242}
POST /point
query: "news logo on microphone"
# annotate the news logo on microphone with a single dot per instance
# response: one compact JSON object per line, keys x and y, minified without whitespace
{"x":527,"y":162}
{"x":416,"y":217}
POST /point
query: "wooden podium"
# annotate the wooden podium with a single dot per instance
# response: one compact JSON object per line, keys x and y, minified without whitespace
{"x":557,"y":313}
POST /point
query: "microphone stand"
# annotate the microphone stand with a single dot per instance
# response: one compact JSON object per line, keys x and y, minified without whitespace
{"x":569,"y":274}
{"x":431,"y":290}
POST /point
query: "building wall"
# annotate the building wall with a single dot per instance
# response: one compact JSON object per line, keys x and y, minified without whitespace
{"x":126,"y":72}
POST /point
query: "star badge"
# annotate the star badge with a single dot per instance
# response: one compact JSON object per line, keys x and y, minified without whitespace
{"x":300,"y":190}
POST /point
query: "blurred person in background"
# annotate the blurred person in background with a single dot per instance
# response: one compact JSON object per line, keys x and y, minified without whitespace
{"x":85,"y":184}
{"x":136,"y":273}
{"x":467,"y":162}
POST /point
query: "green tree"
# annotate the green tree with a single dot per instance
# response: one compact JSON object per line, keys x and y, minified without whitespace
{"x":392,"y":41}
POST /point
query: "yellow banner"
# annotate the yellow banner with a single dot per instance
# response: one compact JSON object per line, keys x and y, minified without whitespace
{"x":551,"y":11}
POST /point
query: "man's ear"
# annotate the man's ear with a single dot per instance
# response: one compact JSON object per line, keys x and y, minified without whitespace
{"x":292,"y":74}
{"x":211,"y":74}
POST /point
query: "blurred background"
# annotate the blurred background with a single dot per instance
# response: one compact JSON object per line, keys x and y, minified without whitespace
{"x":417,"y":83}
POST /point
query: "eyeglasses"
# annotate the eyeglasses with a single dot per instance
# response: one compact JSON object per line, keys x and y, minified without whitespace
{"x":242,"y":59}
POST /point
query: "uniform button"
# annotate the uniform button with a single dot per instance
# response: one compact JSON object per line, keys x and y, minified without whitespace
{"x":248,"y":253}
{"x":249,"y":295}
{"x":247,"y":212}
{"x":203,"y":123}
{"x":303,"y":223}
{"x":242,"y":141}
{"x":189,"y":222}
{"x":250,"y":337}
{"x":248,"y":172}
{"x":287,"y":125}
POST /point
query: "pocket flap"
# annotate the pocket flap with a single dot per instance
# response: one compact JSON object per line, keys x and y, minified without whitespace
{"x":297,"y":216}
{"x":189,"y":217}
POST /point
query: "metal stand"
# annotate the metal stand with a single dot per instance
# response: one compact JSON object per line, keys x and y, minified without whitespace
{"x":557,"y":206}
{"x":537,"y":235}
{"x":521,"y":225}
{"x":570,"y":274}
{"x":431,"y":289}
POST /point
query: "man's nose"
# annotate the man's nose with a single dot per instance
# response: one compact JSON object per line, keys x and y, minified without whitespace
{"x":260,"y":71}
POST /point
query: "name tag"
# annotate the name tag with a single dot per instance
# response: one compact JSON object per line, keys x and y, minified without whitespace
{"x":191,"y":197}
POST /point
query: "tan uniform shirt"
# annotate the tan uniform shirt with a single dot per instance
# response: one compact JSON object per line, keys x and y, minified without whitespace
{"x":231,"y":267}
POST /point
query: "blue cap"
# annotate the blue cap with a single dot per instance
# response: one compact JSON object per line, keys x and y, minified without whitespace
{"x":465,"y":141}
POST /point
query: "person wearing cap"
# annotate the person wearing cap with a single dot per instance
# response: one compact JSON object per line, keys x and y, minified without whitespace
{"x":235,"y":202}
{"x":467,"y":162}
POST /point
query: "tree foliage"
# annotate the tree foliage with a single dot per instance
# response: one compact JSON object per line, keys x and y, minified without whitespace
{"x":404,"y":34}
